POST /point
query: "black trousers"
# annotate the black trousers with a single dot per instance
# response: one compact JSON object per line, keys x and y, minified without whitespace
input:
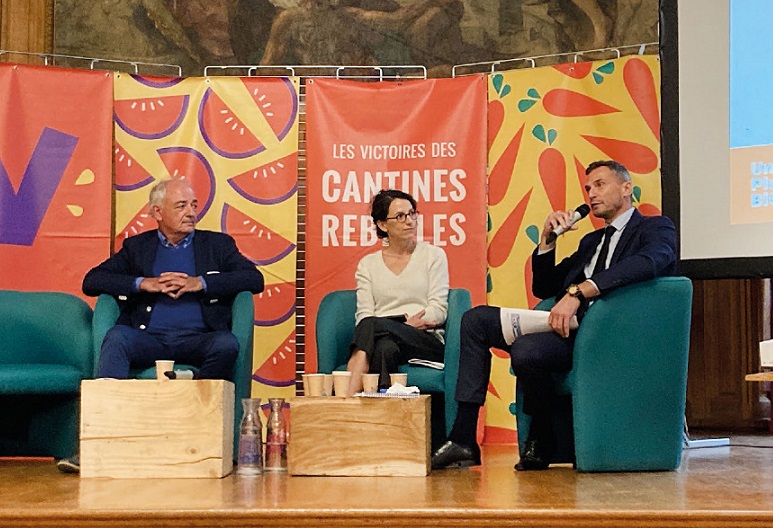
{"x":389,"y":343}
{"x":534,"y":357}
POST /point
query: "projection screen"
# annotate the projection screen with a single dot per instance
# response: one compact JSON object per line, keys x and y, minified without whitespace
{"x":717,"y":134}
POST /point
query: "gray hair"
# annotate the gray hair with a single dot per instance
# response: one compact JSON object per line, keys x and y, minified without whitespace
{"x":158,"y":191}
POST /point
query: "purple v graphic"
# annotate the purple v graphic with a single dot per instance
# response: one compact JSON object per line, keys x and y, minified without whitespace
{"x":22,"y":213}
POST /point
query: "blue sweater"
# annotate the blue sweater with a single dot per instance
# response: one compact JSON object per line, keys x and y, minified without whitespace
{"x":183,"y":313}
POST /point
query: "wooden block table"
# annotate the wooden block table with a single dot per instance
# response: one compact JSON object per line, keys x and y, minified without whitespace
{"x":359,"y":436}
{"x":156,"y":429}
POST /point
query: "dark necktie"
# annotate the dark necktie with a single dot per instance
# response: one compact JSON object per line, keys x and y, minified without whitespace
{"x":601,"y":263}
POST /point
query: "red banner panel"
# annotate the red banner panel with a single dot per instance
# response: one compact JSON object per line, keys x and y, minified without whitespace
{"x":426,"y":138}
{"x":55,"y":175}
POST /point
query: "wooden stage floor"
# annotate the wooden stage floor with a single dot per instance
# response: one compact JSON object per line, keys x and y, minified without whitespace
{"x":715,"y":487}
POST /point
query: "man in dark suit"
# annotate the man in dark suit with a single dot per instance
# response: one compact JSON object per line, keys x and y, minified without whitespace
{"x":631,"y":248}
{"x":175,"y":287}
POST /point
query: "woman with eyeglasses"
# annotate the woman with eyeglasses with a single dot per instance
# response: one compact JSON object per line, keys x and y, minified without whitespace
{"x":402,"y":295}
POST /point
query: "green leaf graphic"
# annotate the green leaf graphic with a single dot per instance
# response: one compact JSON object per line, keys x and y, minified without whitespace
{"x":539,"y":132}
{"x":505,"y":90}
{"x":552,"y":134}
{"x":533,"y":93}
{"x":607,"y":68}
{"x":598,"y":78}
{"x":525,"y":104}
{"x":497,"y":82}
{"x":533,"y":233}
{"x":637,"y":193}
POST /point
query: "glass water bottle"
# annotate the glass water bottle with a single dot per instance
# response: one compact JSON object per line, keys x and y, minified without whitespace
{"x":250,"y":461}
{"x":276,"y":437}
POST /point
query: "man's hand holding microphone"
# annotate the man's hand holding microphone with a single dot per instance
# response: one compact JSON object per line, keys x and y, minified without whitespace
{"x":564,"y":311}
{"x":559,"y":222}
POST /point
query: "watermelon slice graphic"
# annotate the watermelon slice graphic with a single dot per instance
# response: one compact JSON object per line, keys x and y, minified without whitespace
{"x":151,"y":117}
{"x":257,"y":242}
{"x":279,"y":369}
{"x":189,"y":163}
{"x":227,"y":135}
{"x":141,"y":222}
{"x":129,"y":174}
{"x":268,"y":184}
{"x":155,"y":81}
{"x":277,"y":100}
{"x":275,"y":304}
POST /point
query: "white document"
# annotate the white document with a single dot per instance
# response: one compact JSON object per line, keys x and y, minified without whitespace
{"x":426,"y":363}
{"x":517,"y":322}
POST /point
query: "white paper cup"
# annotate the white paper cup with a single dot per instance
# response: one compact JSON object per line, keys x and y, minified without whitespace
{"x":370,"y":382}
{"x":328,"y":386}
{"x":399,"y":377}
{"x":315,"y":383}
{"x":341,"y":381}
{"x":163,"y":365}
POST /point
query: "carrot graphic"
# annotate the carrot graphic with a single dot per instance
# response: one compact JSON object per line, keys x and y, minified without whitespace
{"x":552,"y":172}
{"x":566,"y":103}
{"x":496,"y":116}
{"x":575,"y":70}
{"x":641,"y":87}
{"x":502,"y":243}
{"x":502,"y":354}
{"x":637,"y":157}
{"x":499,"y":179}
{"x":528,"y":277}
{"x":647,"y":209}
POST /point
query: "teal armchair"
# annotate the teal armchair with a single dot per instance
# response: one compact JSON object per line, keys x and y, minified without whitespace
{"x":621,"y":407}
{"x":335,"y":328}
{"x":44,"y":354}
{"x":242,"y":325}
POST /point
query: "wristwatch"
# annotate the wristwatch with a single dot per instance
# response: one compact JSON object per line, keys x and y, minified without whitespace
{"x":575,"y":291}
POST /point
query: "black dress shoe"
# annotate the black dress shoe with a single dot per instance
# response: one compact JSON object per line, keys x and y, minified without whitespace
{"x":453,"y":455}
{"x":533,"y":459}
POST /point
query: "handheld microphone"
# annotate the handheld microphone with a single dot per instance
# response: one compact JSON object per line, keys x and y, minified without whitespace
{"x":579,"y":213}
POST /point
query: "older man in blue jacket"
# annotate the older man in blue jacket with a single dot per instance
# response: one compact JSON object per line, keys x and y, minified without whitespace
{"x":175,"y":287}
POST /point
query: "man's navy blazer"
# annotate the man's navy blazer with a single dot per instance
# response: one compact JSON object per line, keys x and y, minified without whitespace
{"x":217,"y":259}
{"x":646,"y":249}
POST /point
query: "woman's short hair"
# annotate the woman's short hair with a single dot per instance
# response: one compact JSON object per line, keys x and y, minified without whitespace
{"x":379,"y":209}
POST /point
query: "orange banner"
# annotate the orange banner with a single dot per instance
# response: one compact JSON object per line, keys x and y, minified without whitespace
{"x":427,"y":138}
{"x":55,"y":176}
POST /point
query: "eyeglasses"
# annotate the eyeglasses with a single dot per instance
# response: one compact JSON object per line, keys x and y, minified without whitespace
{"x":402,"y":217}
